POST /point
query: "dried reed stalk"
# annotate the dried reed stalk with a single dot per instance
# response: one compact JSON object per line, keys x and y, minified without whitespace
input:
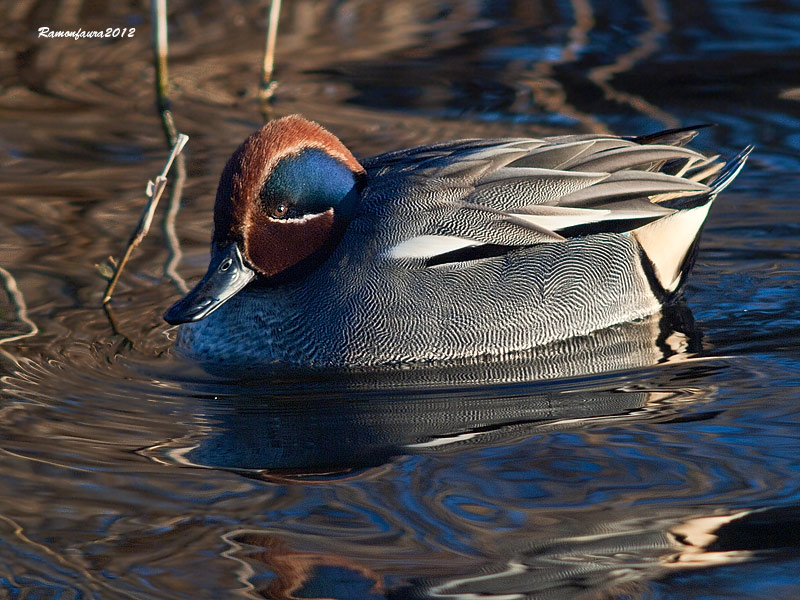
{"x":160,"y":45}
{"x":153,"y":192}
{"x":267,"y":88}
{"x":174,"y":139}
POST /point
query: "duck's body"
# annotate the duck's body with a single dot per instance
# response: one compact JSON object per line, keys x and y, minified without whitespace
{"x":461,"y":249}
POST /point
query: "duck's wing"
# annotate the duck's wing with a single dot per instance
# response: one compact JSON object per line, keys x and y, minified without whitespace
{"x":476,"y":198}
{"x":409,"y":159}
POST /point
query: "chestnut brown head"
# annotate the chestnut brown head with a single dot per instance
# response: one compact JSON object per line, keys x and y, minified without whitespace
{"x":283,"y":201}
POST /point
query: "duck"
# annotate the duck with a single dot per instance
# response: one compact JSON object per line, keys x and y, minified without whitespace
{"x":456,"y":250}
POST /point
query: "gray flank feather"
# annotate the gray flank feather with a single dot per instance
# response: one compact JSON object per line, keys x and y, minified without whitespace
{"x":531,"y":186}
{"x":628,"y":157}
{"x":631,"y":184}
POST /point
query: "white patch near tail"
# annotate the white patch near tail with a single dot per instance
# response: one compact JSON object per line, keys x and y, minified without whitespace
{"x":556,"y":218}
{"x":667,"y":241}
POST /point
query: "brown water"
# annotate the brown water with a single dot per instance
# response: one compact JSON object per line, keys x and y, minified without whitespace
{"x":655,"y":460}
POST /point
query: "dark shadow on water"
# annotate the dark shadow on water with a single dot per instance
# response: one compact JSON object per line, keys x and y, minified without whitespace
{"x":330,"y":424}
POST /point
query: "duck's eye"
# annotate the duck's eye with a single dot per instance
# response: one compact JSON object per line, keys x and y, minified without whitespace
{"x":225,"y":265}
{"x":280,"y":210}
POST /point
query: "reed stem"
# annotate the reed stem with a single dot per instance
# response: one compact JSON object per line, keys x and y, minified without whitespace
{"x":160,"y":45}
{"x":268,"y":85}
{"x":154,"y":191}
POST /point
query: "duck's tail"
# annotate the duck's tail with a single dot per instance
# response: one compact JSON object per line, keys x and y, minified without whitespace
{"x":669,"y":244}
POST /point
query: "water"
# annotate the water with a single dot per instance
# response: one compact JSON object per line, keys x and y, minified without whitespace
{"x":654,"y":460}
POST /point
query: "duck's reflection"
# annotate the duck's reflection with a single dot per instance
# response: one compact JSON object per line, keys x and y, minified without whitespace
{"x":482,"y":529}
{"x":343,"y":423}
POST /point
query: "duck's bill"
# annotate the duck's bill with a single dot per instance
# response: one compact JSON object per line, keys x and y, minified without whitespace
{"x":227,"y":274}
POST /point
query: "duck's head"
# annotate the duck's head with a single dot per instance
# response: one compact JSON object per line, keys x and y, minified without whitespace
{"x":283,"y":201}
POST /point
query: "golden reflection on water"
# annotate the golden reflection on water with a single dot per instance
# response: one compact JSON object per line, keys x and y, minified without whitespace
{"x":604,"y":559}
{"x":694,"y":537}
{"x":649,"y":42}
{"x":546,"y":89}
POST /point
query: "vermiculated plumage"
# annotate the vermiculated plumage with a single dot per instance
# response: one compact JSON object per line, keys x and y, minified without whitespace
{"x":482,"y":247}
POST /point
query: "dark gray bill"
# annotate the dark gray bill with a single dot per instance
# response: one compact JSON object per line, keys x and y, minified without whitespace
{"x":227,"y":274}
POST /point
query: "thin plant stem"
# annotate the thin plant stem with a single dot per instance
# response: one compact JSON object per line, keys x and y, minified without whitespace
{"x":175,"y":254}
{"x":127,"y":341}
{"x":18,"y":300}
{"x":160,"y":45}
{"x":160,"y":39}
{"x":268,"y":85}
{"x":154,"y":191}
{"x":155,"y":188}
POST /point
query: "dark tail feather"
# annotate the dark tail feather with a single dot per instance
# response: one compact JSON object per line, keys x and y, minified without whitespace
{"x":729,"y":172}
{"x":671,"y":137}
{"x":723,"y":178}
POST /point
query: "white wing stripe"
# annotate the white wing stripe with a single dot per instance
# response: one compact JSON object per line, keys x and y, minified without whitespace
{"x":427,"y":246}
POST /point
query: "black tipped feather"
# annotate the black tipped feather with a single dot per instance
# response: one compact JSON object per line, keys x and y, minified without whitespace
{"x":671,"y":137}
